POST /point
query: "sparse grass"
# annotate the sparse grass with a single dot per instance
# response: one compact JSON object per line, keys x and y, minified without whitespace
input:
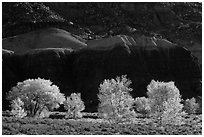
{"x":57,"y":125}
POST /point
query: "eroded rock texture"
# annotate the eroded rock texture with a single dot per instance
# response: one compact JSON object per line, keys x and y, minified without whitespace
{"x":44,"y":38}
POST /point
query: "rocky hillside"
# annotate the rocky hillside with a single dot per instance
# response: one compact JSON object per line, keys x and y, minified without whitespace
{"x":161,"y":19}
{"x":180,"y":23}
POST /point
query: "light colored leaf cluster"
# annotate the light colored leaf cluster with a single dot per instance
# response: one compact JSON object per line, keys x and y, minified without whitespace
{"x":36,"y":95}
{"x":142,"y":105}
{"x":165,"y":102}
{"x":74,"y":105}
{"x":190,"y":106}
{"x":115,"y":100}
{"x":17,"y":108}
{"x":44,"y":113}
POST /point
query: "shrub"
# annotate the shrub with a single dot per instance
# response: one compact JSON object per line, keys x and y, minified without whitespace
{"x":74,"y":105}
{"x":17,"y":108}
{"x":199,"y":100}
{"x":142,"y":105}
{"x":190,"y":106}
{"x":36,"y":95}
{"x":115,"y":100}
{"x":165,"y":102}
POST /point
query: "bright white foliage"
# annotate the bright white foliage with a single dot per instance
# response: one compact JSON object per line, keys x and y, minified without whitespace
{"x":37,"y":95}
{"x":17,"y":110}
{"x":142,"y":105}
{"x":44,"y":113}
{"x":74,"y":105}
{"x":190,"y":106}
{"x":165,"y":102}
{"x":115,"y":100}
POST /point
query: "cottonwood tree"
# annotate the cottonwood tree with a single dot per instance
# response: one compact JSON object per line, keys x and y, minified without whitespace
{"x":36,"y":95}
{"x":165,"y":102}
{"x":115,"y":100}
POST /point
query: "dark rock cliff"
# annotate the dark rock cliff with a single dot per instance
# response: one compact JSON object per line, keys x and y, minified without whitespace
{"x":84,"y":69}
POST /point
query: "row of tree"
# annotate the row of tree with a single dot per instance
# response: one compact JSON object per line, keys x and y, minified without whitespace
{"x":37,"y":97}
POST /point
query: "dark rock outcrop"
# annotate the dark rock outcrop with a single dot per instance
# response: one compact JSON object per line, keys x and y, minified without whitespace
{"x":9,"y":74}
{"x":84,"y":69}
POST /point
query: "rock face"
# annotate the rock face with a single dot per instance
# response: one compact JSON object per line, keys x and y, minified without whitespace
{"x":133,"y":40}
{"x":9,"y":77}
{"x":45,"y":38}
{"x":84,"y":69}
{"x":179,"y":22}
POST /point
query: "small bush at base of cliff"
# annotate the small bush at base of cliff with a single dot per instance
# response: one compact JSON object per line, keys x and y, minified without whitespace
{"x":33,"y":97}
{"x":74,"y":105}
{"x":190,"y":106}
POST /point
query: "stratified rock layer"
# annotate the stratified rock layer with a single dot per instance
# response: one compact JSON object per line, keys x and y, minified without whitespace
{"x":45,"y":38}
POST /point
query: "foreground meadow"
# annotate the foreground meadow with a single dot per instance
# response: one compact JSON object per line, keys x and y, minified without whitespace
{"x":90,"y":124}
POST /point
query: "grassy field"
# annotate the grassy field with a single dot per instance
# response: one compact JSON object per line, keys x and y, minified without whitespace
{"x":91,"y":125}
